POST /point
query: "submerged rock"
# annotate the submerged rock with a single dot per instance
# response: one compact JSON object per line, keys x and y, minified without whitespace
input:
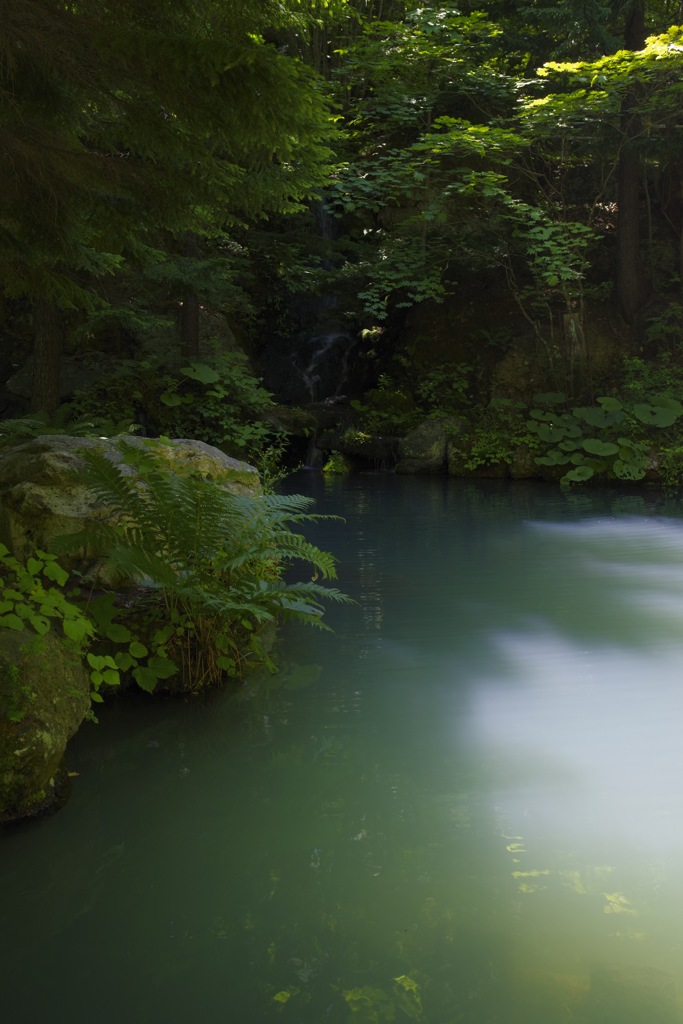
{"x":631,"y":995}
{"x":44,"y":697}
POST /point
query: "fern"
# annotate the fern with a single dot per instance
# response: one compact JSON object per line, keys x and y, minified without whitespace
{"x":215,"y":560}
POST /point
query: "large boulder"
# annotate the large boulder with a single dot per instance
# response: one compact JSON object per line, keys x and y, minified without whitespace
{"x":45,"y":687}
{"x":44,"y":697}
{"x":425,"y":449}
{"x":42,"y":497}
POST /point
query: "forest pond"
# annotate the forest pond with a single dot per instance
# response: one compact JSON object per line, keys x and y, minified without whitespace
{"x":464,"y":806}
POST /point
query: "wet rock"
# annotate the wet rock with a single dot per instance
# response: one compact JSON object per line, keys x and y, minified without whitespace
{"x":425,"y":449}
{"x":523,"y":465}
{"x":44,"y":697}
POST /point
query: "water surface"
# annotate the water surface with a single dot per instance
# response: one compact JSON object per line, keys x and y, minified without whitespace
{"x":465,"y":805}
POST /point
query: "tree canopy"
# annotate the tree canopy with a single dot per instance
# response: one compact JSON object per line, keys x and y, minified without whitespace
{"x":160,"y":160}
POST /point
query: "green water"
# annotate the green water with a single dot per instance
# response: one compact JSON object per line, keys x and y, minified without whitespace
{"x":466,"y":805}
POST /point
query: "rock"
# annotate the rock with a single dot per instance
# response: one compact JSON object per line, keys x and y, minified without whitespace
{"x":41,"y":496}
{"x":425,"y":449}
{"x":44,"y":696}
{"x":523,"y":465}
{"x":185,"y":456}
{"x":370,"y":449}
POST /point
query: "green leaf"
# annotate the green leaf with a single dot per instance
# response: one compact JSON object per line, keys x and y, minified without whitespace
{"x":171,"y":399}
{"x":163,"y":668}
{"x":594,"y":446}
{"x":668,"y":403}
{"x":655,"y":415}
{"x":11,"y":622}
{"x":97,"y":697}
{"x":34,"y":566}
{"x":550,"y":434}
{"x":145,"y":679}
{"x":202,"y":372}
{"x":540,"y":414}
{"x":111,"y":677}
{"x":40,"y":624}
{"x":161,"y":636}
{"x":628,"y":470}
{"x":137,"y":649}
{"x":124,"y":661}
{"x":76,"y":629}
{"x":118,"y":633}
{"x":579,"y":474}
{"x":610,"y":404}
{"x":597,"y":416}
{"x":55,"y":573}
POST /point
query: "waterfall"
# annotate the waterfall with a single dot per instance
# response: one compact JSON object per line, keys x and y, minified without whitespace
{"x":317,"y":364}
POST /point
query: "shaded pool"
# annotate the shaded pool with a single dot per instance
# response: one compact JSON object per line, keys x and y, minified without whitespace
{"x":465,"y":805}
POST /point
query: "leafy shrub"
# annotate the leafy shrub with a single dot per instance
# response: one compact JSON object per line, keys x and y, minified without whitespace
{"x":32,"y":595}
{"x":612,"y":437}
{"x":445,"y":388}
{"x":641,"y":378}
{"x":212,"y":564}
{"x":388,"y":409}
{"x":502,"y":430}
{"x":218,"y":401}
{"x":28,"y":597}
{"x":337,"y":464}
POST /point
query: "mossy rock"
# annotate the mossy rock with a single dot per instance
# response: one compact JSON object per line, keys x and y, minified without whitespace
{"x":523,"y":465}
{"x":41,"y":496}
{"x":44,"y":697}
{"x":425,"y":449}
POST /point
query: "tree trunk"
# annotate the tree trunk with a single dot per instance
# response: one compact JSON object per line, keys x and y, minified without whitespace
{"x":47,"y":356}
{"x":631,"y":285}
{"x":188,"y":317}
{"x":189,"y":325}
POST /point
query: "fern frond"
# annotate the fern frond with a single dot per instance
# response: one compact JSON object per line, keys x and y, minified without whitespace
{"x":293,"y":546}
{"x":215,"y":557}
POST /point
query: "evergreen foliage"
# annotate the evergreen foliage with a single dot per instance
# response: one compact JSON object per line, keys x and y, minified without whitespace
{"x":126,"y":124}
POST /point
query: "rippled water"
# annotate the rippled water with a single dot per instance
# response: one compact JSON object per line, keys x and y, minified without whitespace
{"x":466,"y":805}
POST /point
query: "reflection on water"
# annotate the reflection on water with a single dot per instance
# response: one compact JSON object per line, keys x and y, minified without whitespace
{"x":464,"y":806}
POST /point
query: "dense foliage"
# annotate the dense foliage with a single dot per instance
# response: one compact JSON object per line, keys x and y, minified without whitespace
{"x":207,"y":568}
{"x":459,"y":189}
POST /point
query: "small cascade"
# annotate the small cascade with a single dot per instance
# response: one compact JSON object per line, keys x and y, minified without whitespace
{"x":315,"y":457}
{"x":326,"y":371}
{"x":319,"y":363}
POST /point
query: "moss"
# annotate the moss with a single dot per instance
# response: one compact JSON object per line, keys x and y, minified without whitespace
{"x":337,"y":463}
{"x":44,"y":696}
